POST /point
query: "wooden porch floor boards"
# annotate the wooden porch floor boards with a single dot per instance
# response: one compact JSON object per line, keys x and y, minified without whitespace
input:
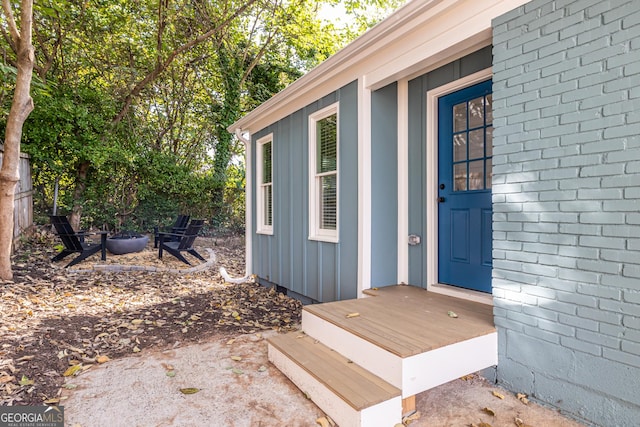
{"x":406,"y":320}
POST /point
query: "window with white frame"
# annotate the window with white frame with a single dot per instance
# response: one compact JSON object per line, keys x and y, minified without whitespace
{"x":265,"y":184}
{"x":323,"y":174}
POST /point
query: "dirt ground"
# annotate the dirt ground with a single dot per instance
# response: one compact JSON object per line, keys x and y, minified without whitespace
{"x":237,"y":387}
{"x":134,"y":348}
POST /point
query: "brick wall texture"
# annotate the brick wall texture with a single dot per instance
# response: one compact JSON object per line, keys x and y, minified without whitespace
{"x":566,"y":203}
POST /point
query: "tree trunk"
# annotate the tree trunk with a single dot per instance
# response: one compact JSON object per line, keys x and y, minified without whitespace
{"x":232,"y":80}
{"x":21,"y":107}
{"x":81,"y":185}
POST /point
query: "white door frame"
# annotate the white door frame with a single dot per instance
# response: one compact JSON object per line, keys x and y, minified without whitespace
{"x":431,"y":163}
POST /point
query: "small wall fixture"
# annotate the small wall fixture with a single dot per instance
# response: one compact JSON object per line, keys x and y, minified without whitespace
{"x":414,"y":239}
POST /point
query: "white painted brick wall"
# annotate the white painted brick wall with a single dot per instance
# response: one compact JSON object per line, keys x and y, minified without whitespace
{"x":567,"y":205}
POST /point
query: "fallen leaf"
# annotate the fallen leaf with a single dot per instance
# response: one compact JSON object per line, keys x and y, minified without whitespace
{"x":25,"y":381}
{"x":136,"y":321}
{"x":484,"y":425}
{"x":236,"y":358}
{"x":23,"y":358}
{"x":413,"y":417}
{"x":522,"y":398}
{"x":489,"y":411}
{"x":7,"y":379}
{"x":237,"y":371}
{"x":73,"y":370}
{"x":170,"y":374}
{"x":498,"y":395}
{"x":452,"y":314}
{"x":167,"y":367}
{"x":102,"y":335}
{"x":467,"y":377}
{"x":189,"y":390}
{"x":231,"y":341}
{"x":262,"y":368}
{"x":350,"y":315}
{"x":136,"y":349}
{"x":322,"y":422}
{"x":52,"y":401}
{"x":102,"y":359}
{"x":70,"y":386}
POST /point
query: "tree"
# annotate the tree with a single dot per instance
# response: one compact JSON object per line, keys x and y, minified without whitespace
{"x":21,"y":107}
{"x":157,"y":82}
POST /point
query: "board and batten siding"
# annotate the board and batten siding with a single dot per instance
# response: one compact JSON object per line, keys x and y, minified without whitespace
{"x":384,"y":186}
{"x":417,"y":150}
{"x":566,"y":203}
{"x":320,"y":271}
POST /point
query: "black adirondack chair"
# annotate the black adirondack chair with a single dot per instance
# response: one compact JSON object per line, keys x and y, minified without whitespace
{"x":74,"y":241}
{"x":183,"y":243}
{"x":178,"y":227}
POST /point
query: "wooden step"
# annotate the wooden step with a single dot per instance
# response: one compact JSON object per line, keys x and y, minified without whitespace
{"x":406,"y":336}
{"x":406,"y":320}
{"x":348,"y":393}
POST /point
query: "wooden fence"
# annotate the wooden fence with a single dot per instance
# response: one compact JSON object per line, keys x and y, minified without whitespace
{"x":23,"y":206}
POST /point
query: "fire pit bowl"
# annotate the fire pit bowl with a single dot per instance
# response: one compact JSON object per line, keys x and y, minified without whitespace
{"x":126,"y":242}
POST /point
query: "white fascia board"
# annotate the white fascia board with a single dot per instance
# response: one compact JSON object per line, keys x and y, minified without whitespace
{"x":440,"y":40}
{"x":419,"y":34}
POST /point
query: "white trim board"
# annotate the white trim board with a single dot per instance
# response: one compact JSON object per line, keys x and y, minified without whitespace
{"x":403,"y":182}
{"x":364,"y":187}
{"x":431,"y":163}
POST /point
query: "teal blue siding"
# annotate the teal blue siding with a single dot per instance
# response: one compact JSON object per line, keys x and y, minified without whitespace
{"x":418,"y":88}
{"x":384,"y":186}
{"x":320,"y":271}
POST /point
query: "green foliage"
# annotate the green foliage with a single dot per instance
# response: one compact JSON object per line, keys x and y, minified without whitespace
{"x":171,"y":153}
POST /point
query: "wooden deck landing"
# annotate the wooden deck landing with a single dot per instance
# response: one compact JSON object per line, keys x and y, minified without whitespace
{"x":406,"y":320}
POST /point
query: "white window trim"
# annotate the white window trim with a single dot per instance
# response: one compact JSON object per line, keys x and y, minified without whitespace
{"x":261,"y":227}
{"x":315,"y":232}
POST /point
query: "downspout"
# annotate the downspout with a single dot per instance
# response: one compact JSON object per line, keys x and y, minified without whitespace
{"x":247,"y":214}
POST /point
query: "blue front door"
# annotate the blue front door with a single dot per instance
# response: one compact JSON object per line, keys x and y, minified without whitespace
{"x":464,"y":188}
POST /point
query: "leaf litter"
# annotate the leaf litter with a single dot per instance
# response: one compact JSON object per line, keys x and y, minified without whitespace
{"x":56,"y":323}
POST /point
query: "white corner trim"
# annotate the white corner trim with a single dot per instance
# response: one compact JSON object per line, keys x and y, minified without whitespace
{"x":248,"y":234}
{"x":364,"y":187}
{"x":432,"y":173}
{"x":403,"y":182}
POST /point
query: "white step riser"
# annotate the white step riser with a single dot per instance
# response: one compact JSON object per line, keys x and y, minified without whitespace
{"x":374,"y":359}
{"x":413,"y":374}
{"x":427,"y":370}
{"x":384,"y":414}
